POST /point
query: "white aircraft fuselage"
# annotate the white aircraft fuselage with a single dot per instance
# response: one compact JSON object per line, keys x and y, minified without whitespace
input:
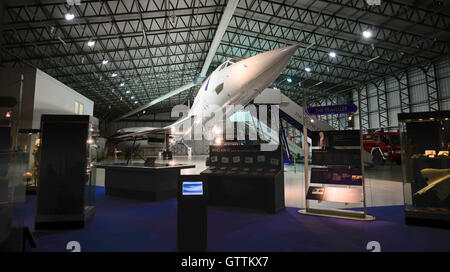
{"x":232,"y":83}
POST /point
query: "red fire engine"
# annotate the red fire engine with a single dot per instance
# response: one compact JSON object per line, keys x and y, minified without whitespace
{"x":383,"y":146}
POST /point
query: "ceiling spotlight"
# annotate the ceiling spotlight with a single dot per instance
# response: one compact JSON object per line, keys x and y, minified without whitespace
{"x":132,"y":97}
{"x":367,"y":34}
{"x":69,"y":16}
{"x":135,"y":102}
{"x":312,"y":120}
{"x":122,"y":84}
{"x":332,"y":54}
{"x":113,"y":74}
{"x":127,"y":92}
{"x":289,"y":80}
{"x":91,"y":43}
{"x":307,"y":69}
{"x":104,"y":61}
{"x":8,"y":114}
{"x":143,"y":112}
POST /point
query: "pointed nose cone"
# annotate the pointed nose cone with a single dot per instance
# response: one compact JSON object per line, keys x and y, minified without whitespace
{"x":267,"y":66}
{"x":288,"y":51}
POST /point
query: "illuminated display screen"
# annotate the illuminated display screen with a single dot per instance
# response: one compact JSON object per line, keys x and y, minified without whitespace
{"x":214,"y":159}
{"x":225,"y":160}
{"x":261,"y":158}
{"x":236,"y":159}
{"x":192,"y":188}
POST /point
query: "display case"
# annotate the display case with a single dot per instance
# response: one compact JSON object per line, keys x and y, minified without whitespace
{"x":13,"y":165}
{"x":425,"y":141}
{"x":66,"y":191}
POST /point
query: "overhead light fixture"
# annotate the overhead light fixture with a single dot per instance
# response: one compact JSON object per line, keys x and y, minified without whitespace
{"x":132,"y":97}
{"x":113,"y":74}
{"x":122,"y":84}
{"x":127,"y":92}
{"x":91,"y":43}
{"x":69,"y":16}
{"x":289,"y":80}
{"x":367,"y":34}
{"x":311,"y":45}
{"x":307,"y":69}
{"x":372,"y":59}
{"x":143,"y":112}
{"x":8,"y":114}
{"x":332,"y":54}
{"x":135,"y":102}
{"x":312,"y":120}
{"x":105,"y":61}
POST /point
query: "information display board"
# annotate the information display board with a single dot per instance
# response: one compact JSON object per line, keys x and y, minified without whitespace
{"x":245,"y":176}
{"x":335,"y":194}
{"x":350,"y":157}
{"x":335,"y":138}
{"x":339,"y":176}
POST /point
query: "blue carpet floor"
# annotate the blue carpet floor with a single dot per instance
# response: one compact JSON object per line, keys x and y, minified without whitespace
{"x":130,"y":225}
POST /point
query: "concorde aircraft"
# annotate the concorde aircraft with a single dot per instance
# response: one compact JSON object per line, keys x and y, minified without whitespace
{"x":234,"y":82}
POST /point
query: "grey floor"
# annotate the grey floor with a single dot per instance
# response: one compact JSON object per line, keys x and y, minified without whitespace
{"x":383,"y":184}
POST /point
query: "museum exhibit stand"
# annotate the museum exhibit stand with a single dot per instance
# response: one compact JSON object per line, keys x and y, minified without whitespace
{"x":66,"y":192}
{"x":425,"y":140}
{"x":336,"y":185}
{"x":152,"y":182}
{"x":244,"y":176}
{"x":192,"y":213}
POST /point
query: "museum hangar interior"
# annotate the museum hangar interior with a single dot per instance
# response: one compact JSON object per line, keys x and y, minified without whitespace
{"x":224,"y":125}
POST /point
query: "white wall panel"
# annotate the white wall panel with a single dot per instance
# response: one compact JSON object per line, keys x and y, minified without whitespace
{"x":373,"y":103}
{"x":445,"y":104}
{"x":373,"y":120}
{"x":393,"y":119}
{"x":53,"y":97}
{"x":444,"y":87}
{"x":419,"y":108}
{"x":393,"y":99}
{"x":391,"y":84}
{"x":417,"y":87}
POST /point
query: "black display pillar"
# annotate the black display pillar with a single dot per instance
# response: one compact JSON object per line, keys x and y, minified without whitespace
{"x":64,"y":196}
{"x":192,"y":214}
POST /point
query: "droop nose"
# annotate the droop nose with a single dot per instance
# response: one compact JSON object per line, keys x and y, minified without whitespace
{"x":287,"y":52}
{"x":269,"y":65}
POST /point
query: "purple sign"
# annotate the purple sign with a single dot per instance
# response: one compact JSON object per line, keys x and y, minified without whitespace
{"x":332,"y":109}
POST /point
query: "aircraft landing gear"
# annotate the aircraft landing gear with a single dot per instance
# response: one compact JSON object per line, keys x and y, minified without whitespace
{"x":167,"y":155}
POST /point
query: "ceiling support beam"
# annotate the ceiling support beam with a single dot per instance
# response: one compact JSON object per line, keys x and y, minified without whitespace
{"x":224,"y":21}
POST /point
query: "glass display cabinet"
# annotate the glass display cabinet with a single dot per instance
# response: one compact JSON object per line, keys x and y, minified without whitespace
{"x":13,"y":166}
{"x":66,"y":191}
{"x":425,"y":141}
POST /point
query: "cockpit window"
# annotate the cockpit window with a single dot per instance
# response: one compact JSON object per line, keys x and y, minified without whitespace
{"x":223,"y":66}
{"x":234,"y":60}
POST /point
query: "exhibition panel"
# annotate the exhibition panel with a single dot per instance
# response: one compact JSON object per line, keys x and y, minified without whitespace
{"x":65,"y":197}
{"x":425,"y":139}
{"x":245,"y":176}
{"x":140,"y":181}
